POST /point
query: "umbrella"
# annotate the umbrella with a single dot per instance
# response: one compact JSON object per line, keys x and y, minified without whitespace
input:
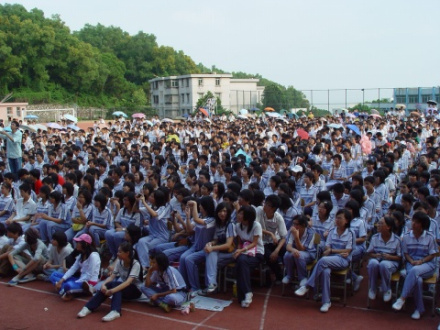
{"x":355,"y":129}
{"x":40,"y":126}
{"x":243,"y":112}
{"x":119,"y":114}
{"x":269,"y":109}
{"x":242,"y":117}
{"x":7,"y":129}
{"x":180,"y":118}
{"x":274,"y":114}
{"x":74,"y":127}
{"x":374,"y":112}
{"x":415,"y":113}
{"x":400,"y":106}
{"x":375,"y":116}
{"x":138,"y":115}
{"x":204,"y":111}
{"x":71,"y":118}
{"x":28,"y":127}
{"x":31,"y":117}
{"x":335,"y":125}
{"x":149,"y":122}
{"x":167,"y":120}
{"x":255,"y":109}
{"x":432,"y":102}
{"x":54,"y":126}
{"x":283,"y":120}
{"x":302,"y":134}
{"x":207,"y":120}
{"x":186,"y":115}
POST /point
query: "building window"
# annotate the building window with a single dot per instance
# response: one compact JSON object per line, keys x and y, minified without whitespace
{"x":187,"y":98}
{"x":217,"y":81}
{"x":9,"y":109}
{"x":413,"y":99}
{"x":156,"y":99}
{"x":182,"y":98}
{"x":187,"y":82}
{"x":426,"y":98}
{"x":400,"y":98}
{"x":218,"y":95}
{"x":174,"y":83}
{"x":200,"y":82}
{"x":200,"y":95}
{"x":18,"y":112}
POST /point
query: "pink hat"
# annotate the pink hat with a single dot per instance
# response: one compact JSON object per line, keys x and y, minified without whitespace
{"x":84,"y":237}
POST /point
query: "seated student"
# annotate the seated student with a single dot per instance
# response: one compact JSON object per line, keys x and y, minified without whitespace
{"x":418,"y":247}
{"x":100,"y":220}
{"x":4,"y":240}
{"x":124,"y":283}
{"x":6,"y":202}
{"x":28,"y":258}
{"x":87,"y":262}
{"x":337,"y":254}
{"x":24,"y":209}
{"x":386,"y":253}
{"x":82,"y":212}
{"x":14,"y":232}
{"x":58,"y":217}
{"x":164,"y":285}
{"x":59,"y":250}
{"x":300,"y":250}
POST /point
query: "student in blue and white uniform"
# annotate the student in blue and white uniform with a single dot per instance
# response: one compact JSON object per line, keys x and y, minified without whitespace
{"x":81,"y":214}
{"x":6,"y":202}
{"x":386,"y":253}
{"x":418,"y":247}
{"x":58,"y":217}
{"x":101,"y":219}
{"x":323,"y":222}
{"x":300,"y":250}
{"x":336,"y":256}
{"x":204,"y":233}
{"x":287,"y":210}
{"x":126,"y":215}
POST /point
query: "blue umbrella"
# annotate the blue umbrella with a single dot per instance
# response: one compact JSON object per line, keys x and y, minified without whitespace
{"x":254,"y":109}
{"x":355,"y":129}
{"x":119,"y":114}
{"x":31,"y":117}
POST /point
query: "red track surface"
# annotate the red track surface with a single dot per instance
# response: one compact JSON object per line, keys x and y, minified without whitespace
{"x":23,"y":307}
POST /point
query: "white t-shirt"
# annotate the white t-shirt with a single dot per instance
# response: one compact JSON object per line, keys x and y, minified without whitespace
{"x":249,"y":237}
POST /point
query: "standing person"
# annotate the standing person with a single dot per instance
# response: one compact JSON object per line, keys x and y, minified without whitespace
{"x":123,"y":283}
{"x":13,"y":145}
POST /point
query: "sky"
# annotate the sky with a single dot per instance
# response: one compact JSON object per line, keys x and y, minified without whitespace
{"x":311,"y":45}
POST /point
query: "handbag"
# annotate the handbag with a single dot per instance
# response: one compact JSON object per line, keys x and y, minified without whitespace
{"x":251,"y":252}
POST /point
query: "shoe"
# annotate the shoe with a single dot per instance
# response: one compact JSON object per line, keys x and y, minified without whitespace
{"x":387,"y":296}
{"x":248,"y":298}
{"x":83,"y":312}
{"x":415,"y":315}
{"x":398,"y":304}
{"x":211,"y":288}
{"x":43,"y":277}
{"x":165,"y":307}
{"x":371,"y":294}
{"x":357,"y":283}
{"x":324,"y":308}
{"x":113,"y":315}
{"x":27,"y":278}
{"x":89,"y":289}
{"x":303,"y":282}
{"x":286,"y":279}
{"x":244,"y":304}
{"x":14,"y":281}
{"x":193,"y":294}
{"x":67,"y":297}
{"x":302,"y":291}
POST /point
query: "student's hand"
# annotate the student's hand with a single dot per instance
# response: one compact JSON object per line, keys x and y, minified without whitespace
{"x":326,"y":252}
{"x":274,"y":239}
{"x":274,"y":256}
{"x":154,"y":297}
{"x":88,"y":224}
{"x":344,"y":254}
{"x":103,"y":289}
{"x":295,"y":253}
{"x":58,"y":284}
{"x":109,"y":293}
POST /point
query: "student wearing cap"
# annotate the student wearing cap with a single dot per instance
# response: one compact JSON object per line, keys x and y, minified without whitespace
{"x":88,"y":262}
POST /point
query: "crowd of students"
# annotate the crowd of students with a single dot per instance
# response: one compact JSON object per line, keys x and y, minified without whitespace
{"x":165,"y":197}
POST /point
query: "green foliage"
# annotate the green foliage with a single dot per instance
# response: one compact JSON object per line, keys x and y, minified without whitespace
{"x":279,"y":97}
{"x":361,"y":108}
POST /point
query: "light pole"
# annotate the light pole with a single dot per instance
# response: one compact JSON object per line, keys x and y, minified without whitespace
{"x":363,"y":96}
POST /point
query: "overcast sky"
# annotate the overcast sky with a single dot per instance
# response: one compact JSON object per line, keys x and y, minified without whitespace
{"x":316,"y":44}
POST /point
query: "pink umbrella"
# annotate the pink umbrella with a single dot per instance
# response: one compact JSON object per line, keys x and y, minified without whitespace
{"x":365,"y":144}
{"x":302,"y":134}
{"x":376,"y":115}
{"x":138,"y":115}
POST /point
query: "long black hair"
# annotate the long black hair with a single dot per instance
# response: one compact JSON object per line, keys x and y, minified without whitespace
{"x":127,"y":247}
{"x":249,"y":215}
{"x":221,"y":206}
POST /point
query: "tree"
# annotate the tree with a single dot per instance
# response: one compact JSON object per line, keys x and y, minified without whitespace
{"x":273,"y":97}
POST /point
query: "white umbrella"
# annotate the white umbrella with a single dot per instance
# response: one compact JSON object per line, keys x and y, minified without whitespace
{"x":244,"y":111}
{"x":74,"y":127}
{"x":273,"y":114}
{"x":167,"y":120}
{"x":55,"y":126}
{"x":28,"y":127}
{"x":40,"y":126}
{"x":71,"y":118}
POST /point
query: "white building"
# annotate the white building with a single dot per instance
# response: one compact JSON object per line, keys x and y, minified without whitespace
{"x":177,"y":95}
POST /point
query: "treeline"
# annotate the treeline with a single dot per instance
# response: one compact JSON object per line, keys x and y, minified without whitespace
{"x":42,"y":61}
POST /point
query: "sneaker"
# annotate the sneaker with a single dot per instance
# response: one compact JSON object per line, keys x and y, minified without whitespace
{"x":286,"y":279}
{"x":67,"y":297}
{"x":211,"y":288}
{"x":387,"y":296}
{"x":303,"y":282}
{"x":248,"y":298}
{"x":27,"y":278}
{"x":13,"y":281}
{"x":371,"y":294}
{"x":165,"y":307}
{"x":302,"y":291}
{"x":398,"y":304}
{"x":193,"y":294}
{"x":113,"y":315}
{"x":357,"y":283}
{"x":88,"y":289}
{"x":415,"y":315}
{"x":43,"y":277}
{"x":324,"y":308}
{"x":244,"y":304}
{"x":83,"y":312}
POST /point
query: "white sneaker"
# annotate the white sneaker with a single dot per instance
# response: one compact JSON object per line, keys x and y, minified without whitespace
{"x":371,"y":294}
{"x":286,"y":279}
{"x":303,"y":282}
{"x":113,"y":315}
{"x":248,"y":298}
{"x":357,"y":283}
{"x":398,"y":304}
{"x":83,"y":312}
{"x":27,"y":278}
{"x":211,"y":288}
{"x":325,"y":307}
{"x":244,"y":304}
{"x":415,"y":315}
{"x":387,"y":296}
{"x":302,"y":291}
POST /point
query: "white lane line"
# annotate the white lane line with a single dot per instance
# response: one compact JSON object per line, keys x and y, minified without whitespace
{"x":263,"y":314}
{"x":127,"y":309}
{"x":205,"y":320}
